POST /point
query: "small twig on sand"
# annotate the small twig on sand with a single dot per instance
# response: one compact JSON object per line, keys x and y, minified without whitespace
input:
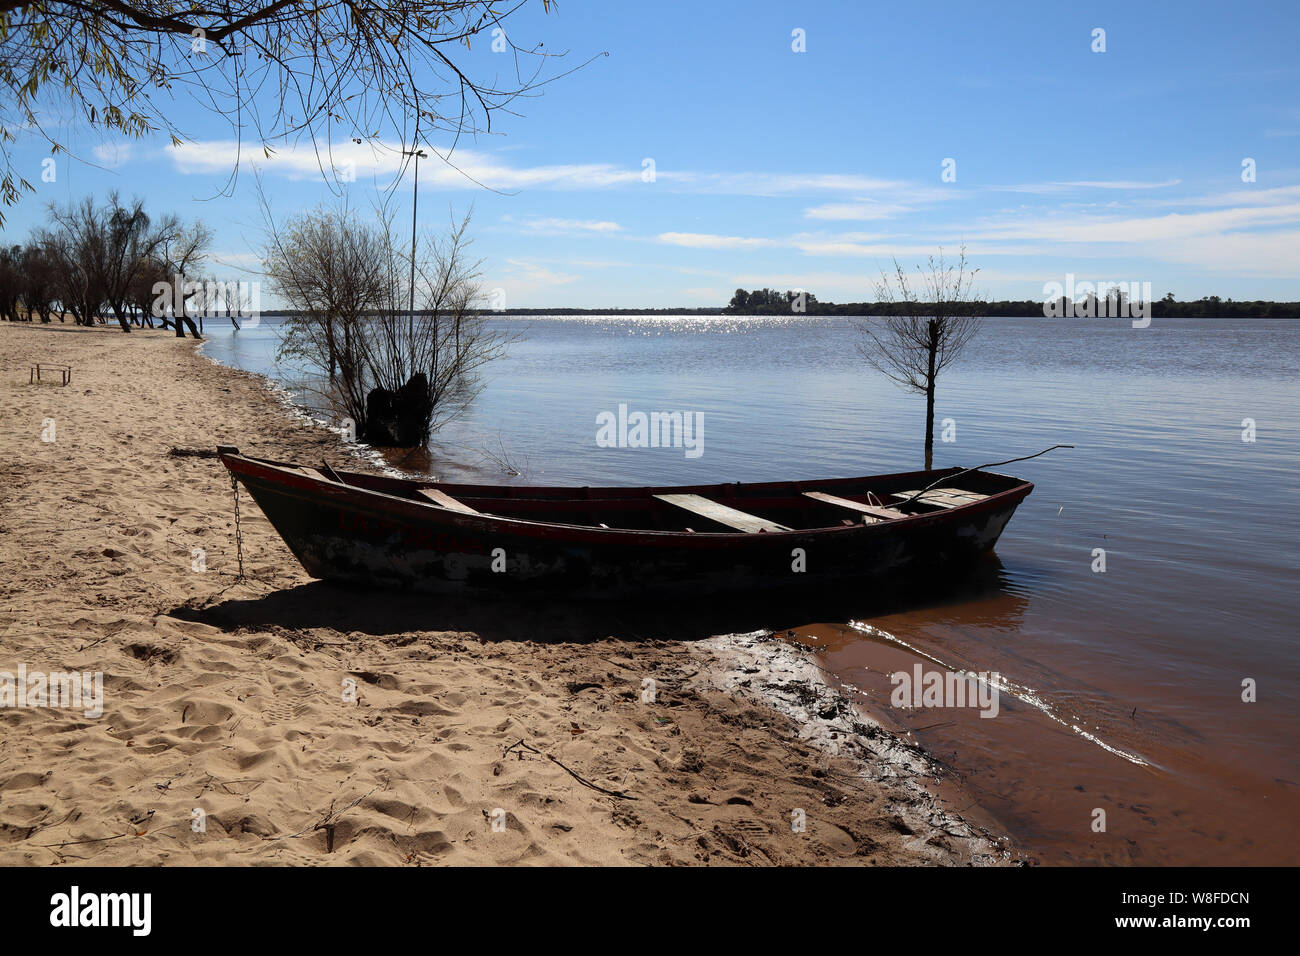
{"x":328,"y":822}
{"x":578,"y":777}
{"x":81,"y":842}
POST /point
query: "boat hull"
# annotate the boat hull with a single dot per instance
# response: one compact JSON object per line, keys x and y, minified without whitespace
{"x":367,"y":538}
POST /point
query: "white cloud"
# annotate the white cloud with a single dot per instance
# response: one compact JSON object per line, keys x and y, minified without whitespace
{"x":1058,"y":187}
{"x":1255,"y":254}
{"x":571,"y":226}
{"x":1250,"y":229}
{"x":698,"y":240}
{"x":1247,"y":196}
{"x":113,"y":154}
{"x":464,"y":169}
{"x":468,"y":169}
{"x":1119,"y":184}
{"x":775,"y":184}
{"x":847,"y":245}
{"x":1173,"y":226}
{"x":865,"y":210}
{"x":843,"y":244}
{"x":524,"y":281}
{"x":535,"y":274}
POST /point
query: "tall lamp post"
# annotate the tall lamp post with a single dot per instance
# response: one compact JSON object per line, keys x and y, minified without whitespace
{"x":415,"y":202}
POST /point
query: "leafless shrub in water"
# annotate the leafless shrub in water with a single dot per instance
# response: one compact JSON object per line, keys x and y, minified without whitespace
{"x":932,"y":329}
{"x":398,"y":373}
{"x":504,"y":460}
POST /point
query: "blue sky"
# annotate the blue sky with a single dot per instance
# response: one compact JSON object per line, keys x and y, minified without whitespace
{"x":813,"y":169}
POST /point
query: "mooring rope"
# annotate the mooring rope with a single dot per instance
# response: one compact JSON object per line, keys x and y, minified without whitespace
{"x":967,"y":471}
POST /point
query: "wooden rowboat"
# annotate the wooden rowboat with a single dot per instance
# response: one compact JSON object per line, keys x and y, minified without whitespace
{"x":375,"y":531}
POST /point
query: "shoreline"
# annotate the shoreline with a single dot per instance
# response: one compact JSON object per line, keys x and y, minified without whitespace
{"x":365,"y":454}
{"x":224,"y":696}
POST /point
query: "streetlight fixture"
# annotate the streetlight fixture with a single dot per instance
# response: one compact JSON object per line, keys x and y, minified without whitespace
{"x":415,"y":202}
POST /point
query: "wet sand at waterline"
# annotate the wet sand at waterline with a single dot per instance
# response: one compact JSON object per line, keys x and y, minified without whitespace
{"x":226,"y":696}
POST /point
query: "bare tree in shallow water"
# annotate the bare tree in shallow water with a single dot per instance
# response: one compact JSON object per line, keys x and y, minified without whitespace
{"x":398,"y":375}
{"x":928,"y":335}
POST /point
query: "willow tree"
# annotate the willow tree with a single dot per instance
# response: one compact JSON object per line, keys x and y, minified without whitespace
{"x":98,"y":252}
{"x":182,"y":255}
{"x":932,"y":325}
{"x":277,"y":71}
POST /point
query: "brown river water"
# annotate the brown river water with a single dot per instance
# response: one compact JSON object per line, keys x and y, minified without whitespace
{"x":1120,"y":690}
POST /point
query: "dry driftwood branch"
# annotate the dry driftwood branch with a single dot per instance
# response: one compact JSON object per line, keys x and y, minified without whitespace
{"x":576,"y":776}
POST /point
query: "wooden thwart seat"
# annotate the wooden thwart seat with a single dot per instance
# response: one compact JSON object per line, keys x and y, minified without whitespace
{"x":446,"y":500}
{"x":722,"y":514}
{"x":944,"y":497}
{"x":871,"y":511}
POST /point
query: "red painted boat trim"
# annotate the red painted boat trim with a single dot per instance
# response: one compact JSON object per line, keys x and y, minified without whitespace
{"x":310,"y":489}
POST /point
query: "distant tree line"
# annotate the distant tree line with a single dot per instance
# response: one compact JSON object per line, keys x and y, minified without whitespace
{"x":771,"y":302}
{"x":98,"y":263}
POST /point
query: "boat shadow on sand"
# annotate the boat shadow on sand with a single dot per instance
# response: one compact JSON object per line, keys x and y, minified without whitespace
{"x":677,"y":617}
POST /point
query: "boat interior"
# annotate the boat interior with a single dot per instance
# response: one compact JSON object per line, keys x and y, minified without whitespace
{"x":739,"y":508}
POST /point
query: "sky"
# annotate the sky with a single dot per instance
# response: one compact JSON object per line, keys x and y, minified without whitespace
{"x":806,"y":145}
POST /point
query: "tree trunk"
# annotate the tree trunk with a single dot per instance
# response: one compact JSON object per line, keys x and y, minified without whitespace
{"x":183,"y":320}
{"x":929,"y":398}
{"x":929,"y":427}
{"x":183,"y":316}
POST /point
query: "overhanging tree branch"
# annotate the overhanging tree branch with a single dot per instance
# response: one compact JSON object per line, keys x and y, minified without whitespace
{"x":274,"y":69}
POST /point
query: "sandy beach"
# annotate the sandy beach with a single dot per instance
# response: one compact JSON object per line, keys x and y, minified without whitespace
{"x":227,"y":735}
